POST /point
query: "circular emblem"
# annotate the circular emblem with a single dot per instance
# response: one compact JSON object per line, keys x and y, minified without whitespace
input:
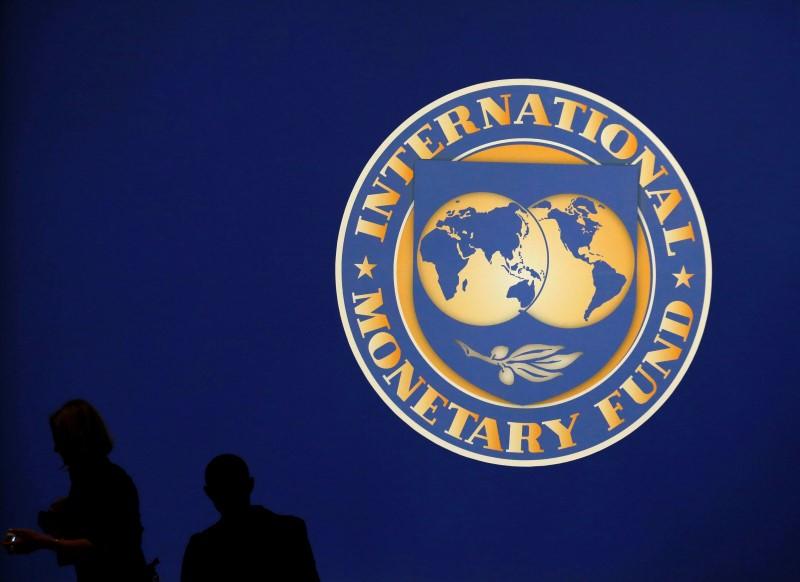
{"x":523,"y":272}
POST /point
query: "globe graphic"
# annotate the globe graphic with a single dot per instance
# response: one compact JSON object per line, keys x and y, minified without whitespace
{"x":482,"y":258}
{"x":591,"y":261}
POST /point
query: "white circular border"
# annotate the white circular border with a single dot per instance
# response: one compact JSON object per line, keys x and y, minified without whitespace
{"x":706,"y":296}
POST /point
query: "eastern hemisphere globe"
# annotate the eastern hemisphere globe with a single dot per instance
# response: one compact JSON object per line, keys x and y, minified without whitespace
{"x":482,"y":258}
{"x":591,"y":261}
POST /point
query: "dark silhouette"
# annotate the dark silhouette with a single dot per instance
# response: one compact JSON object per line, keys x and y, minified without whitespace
{"x":249,"y":542}
{"x":96,"y":527}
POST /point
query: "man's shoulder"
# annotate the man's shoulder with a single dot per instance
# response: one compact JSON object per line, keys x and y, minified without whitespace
{"x":276,"y":519}
{"x":207,"y":537}
{"x":260,"y":519}
{"x":259,"y":541}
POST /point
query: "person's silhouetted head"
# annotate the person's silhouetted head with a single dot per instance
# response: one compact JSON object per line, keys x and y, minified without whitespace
{"x":228,"y":483}
{"x":79,"y":433}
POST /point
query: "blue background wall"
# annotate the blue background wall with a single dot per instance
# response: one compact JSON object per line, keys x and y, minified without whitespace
{"x":173,"y":179}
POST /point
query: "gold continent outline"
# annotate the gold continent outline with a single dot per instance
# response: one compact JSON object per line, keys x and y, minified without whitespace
{"x":404,"y":289}
{"x":476,"y":200}
{"x":552,"y":300}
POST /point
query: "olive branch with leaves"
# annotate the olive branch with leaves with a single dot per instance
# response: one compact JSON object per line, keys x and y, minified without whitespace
{"x":531,"y":362}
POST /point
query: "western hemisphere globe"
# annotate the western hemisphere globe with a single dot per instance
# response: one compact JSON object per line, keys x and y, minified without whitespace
{"x":591,"y":261}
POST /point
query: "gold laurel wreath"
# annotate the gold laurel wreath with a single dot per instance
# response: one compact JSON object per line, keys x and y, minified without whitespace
{"x":531,"y":362}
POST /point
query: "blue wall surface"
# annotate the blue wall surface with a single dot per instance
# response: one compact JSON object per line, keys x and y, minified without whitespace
{"x":173,"y":179}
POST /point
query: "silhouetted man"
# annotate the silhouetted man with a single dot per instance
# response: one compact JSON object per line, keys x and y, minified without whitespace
{"x":249,"y":542}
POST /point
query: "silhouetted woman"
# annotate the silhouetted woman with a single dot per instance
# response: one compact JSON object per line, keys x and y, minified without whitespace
{"x":96,"y":527}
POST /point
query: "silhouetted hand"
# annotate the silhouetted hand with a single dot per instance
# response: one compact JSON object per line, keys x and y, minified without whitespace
{"x":27,"y":541}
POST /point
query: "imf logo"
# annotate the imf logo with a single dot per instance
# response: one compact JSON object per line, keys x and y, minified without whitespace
{"x":523,"y":272}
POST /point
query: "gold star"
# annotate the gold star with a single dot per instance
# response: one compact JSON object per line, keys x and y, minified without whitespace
{"x":365,"y":268}
{"x":683,"y":277}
